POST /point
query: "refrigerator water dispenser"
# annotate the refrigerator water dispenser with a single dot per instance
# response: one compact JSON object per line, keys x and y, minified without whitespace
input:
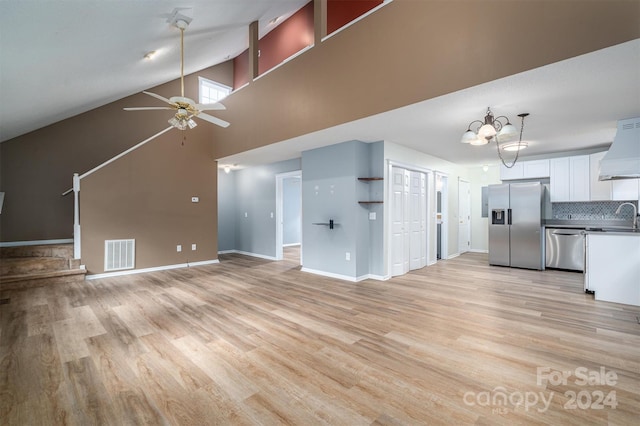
{"x":497,"y":217}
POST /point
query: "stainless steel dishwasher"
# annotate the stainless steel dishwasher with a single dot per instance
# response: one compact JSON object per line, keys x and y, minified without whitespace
{"x":565,"y":249}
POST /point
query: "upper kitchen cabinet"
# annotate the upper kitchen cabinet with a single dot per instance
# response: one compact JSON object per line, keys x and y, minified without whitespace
{"x":600,"y":190}
{"x":569,"y":178}
{"x":525,"y":170}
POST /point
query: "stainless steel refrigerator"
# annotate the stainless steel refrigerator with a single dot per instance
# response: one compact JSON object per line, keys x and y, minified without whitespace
{"x":515,"y":225}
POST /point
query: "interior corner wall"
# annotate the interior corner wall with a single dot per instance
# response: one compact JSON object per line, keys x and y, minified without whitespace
{"x":226,"y":211}
{"x":331,"y":191}
{"x":480,"y":225}
{"x":147,"y":196}
{"x":38,"y":167}
{"x":255,"y":207}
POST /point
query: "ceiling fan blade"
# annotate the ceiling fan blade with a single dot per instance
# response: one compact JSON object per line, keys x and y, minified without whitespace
{"x":145,"y":108}
{"x":210,"y":107}
{"x":212,"y":119}
{"x":163,"y":99}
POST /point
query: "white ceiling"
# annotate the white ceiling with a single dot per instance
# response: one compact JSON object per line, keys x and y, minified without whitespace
{"x":60,"y":58}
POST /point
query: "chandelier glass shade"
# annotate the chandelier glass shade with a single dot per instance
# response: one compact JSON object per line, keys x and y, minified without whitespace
{"x":499,"y":129}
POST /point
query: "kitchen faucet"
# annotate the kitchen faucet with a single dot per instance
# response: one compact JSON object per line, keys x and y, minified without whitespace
{"x":635,"y":213}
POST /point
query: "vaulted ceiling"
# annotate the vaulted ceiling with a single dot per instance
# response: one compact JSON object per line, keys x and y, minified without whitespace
{"x":61,"y":58}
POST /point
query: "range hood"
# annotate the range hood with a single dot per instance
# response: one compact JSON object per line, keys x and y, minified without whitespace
{"x":623,"y":159}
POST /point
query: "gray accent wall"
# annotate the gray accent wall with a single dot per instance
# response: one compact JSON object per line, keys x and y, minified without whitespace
{"x":254,"y":207}
{"x":226,"y":211}
{"x":331,"y":190}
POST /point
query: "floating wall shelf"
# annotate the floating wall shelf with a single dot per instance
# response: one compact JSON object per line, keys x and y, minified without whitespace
{"x":367,"y":180}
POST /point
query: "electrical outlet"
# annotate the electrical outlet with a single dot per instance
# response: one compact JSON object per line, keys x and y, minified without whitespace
{"x":347,"y":256}
{"x":178,"y":248}
{"x":372,"y":215}
{"x":195,"y":199}
{"x":271,"y":215}
{"x":193,"y":246}
{"x":246,"y":214}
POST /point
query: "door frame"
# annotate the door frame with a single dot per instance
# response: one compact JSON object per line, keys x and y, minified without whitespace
{"x":280,"y":177}
{"x":388,"y":219}
{"x":466,"y":199}
{"x":444,"y":214}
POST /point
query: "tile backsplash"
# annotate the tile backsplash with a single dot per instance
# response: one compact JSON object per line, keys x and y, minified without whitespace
{"x":595,"y":210}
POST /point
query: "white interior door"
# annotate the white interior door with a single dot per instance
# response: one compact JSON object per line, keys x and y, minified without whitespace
{"x":399,"y":221}
{"x":417,"y":220}
{"x":423,"y":219}
{"x":464,"y":216}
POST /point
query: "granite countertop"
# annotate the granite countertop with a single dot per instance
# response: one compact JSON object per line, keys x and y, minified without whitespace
{"x":584,"y":224}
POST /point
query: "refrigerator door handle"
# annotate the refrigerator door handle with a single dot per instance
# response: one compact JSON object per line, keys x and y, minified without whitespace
{"x":508,"y":216}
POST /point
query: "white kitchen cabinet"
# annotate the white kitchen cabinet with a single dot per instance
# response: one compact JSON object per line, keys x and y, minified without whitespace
{"x":525,"y":170}
{"x":600,"y":190}
{"x":569,"y":178}
{"x":612,"y":267}
{"x":559,"y":182}
{"x":515,"y":172}
{"x":579,"y":178}
{"x":536,"y":169}
{"x":625,"y":189}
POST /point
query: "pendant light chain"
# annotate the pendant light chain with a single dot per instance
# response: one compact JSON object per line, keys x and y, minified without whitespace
{"x":508,"y":166}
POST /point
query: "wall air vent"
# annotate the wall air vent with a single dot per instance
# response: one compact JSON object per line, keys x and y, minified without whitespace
{"x":119,"y":254}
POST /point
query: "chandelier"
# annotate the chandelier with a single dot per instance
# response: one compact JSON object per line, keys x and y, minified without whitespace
{"x":500,"y":129}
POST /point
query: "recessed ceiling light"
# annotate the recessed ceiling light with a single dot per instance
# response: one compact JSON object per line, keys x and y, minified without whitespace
{"x":150,"y":55}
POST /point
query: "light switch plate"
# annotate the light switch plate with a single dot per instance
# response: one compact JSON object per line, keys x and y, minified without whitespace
{"x":372,"y":215}
{"x":195,"y":199}
{"x":193,"y":246}
{"x":178,"y":248}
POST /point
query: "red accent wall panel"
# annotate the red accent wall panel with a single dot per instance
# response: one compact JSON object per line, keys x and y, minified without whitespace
{"x":288,"y":38}
{"x":341,"y":12}
{"x":241,"y":69}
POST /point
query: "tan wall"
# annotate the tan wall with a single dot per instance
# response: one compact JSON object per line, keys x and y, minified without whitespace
{"x":37,"y":167}
{"x":409,"y":51}
{"x":146,"y":195}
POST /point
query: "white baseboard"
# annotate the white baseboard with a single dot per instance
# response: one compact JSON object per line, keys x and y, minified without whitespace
{"x":453,"y":256}
{"x":291,"y":245}
{"x":346,"y":277}
{"x":35,"y":243}
{"x":478,"y":251}
{"x":246,"y":253}
{"x":154,"y":269}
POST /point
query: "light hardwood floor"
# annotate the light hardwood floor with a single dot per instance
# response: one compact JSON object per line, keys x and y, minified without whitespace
{"x":251,"y":341}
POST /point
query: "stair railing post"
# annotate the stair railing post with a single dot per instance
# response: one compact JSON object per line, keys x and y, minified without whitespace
{"x":76,"y":216}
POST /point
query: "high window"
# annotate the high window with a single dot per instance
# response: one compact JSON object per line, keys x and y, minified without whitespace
{"x":211,"y":91}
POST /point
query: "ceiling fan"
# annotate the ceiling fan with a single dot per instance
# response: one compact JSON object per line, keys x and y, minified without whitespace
{"x":185,"y":108}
